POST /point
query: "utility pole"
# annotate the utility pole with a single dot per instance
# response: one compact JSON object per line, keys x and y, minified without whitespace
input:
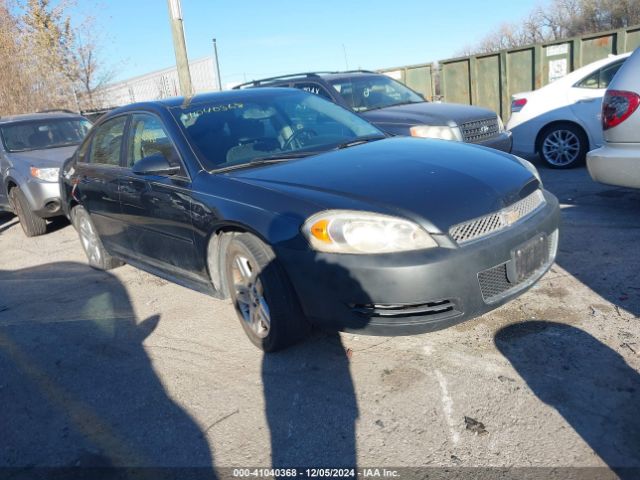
{"x":217,"y":65}
{"x":180,"y":47}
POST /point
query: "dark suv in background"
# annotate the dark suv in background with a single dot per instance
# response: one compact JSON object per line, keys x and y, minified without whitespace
{"x":33,"y":147}
{"x":396,"y":109}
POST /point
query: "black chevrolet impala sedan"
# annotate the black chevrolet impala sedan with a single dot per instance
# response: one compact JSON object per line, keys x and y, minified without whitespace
{"x":304,"y":214}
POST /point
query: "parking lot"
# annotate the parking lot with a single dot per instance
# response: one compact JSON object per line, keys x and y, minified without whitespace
{"x":123,"y":368}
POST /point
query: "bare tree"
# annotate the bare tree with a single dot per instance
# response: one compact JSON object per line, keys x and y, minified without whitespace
{"x":560,"y":19}
{"x":47,"y":62}
{"x":48,"y":39}
{"x":92,"y":73}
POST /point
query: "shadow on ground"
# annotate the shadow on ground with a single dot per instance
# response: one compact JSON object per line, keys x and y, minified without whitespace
{"x":77,"y":388}
{"x":587,"y":382}
{"x":7,"y":221}
{"x":311,"y":404}
{"x":599,"y":236}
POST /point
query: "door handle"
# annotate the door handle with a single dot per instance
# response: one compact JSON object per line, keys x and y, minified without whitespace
{"x":587,"y":100}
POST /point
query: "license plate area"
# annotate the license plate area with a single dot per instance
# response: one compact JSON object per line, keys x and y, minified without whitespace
{"x":527,"y":258}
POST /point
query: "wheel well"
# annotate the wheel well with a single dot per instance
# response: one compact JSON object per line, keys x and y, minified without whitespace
{"x":10,"y":186}
{"x":216,"y":246}
{"x":557,"y":123}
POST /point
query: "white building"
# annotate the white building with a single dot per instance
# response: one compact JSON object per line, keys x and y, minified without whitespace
{"x":158,"y":84}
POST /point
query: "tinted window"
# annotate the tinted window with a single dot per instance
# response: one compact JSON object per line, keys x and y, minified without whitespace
{"x":107,"y":142}
{"x":591,"y":81}
{"x":607,"y":74}
{"x":314,"y":88}
{"x":149,"y":137}
{"x":601,"y":78}
{"x":42,"y":134}
{"x":364,"y":93}
{"x":294,"y":122}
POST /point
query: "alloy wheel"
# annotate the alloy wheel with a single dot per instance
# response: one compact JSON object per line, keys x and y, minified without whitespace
{"x":90,"y":240}
{"x":249,"y":295}
{"x":561,"y":148}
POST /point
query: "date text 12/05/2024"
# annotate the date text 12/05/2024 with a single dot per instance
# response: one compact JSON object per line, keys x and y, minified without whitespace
{"x":315,"y":473}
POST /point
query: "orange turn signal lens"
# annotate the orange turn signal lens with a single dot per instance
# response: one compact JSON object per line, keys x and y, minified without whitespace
{"x":320,"y":230}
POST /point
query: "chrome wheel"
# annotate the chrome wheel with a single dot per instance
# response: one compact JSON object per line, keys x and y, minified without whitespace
{"x":561,"y":148}
{"x":89,"y":239}
{"x":249,"y":295}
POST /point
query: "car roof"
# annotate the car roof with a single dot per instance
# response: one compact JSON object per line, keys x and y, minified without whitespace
{"x":25,"y":117}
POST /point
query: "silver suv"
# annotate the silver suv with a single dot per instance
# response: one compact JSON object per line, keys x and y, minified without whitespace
{"x":618,"y":161}
{"x":33,"y":147}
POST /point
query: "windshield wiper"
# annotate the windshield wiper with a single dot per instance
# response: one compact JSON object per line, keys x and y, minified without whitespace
{"x":408,"y":102}
{"x":276,"y":158}
{"x":359,"y":140}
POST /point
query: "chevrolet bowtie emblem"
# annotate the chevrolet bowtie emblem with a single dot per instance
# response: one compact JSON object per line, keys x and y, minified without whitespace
{"x":510,"y":216}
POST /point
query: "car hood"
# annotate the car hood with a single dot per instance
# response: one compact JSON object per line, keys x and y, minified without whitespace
{"x":428,"y":113}
{"x":434,"y":182}
{"x":46,"y":158}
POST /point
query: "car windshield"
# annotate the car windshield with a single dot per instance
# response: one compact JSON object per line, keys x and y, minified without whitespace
{"x":373,"y":92}
{"x":41,"y":134}
{"x":274,"y":127}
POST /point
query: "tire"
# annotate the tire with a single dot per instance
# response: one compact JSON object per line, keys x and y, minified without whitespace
{"x":32,"y":225}
{"x":262,"y":296}
{"x":97,"y":256}
{"x":562,"y":146}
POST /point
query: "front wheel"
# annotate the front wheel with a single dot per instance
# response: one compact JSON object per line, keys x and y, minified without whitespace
{"x":31,"y":224}
{"x":563,"y":146}
{"x":98,"y":257}
{"x":262,"y":296}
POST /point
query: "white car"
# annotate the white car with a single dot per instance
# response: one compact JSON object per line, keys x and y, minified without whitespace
{"x":618,"y":161}
{"x":561,"y":121}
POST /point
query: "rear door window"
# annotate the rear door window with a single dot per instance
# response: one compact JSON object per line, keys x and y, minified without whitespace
{"x":601,"y":78}
{"x":607,"y":73}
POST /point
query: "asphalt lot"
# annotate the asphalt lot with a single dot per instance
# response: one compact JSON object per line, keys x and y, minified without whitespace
{"x":123,"y":368}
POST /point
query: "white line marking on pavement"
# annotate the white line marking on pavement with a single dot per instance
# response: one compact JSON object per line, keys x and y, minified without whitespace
{"x":447,"y":407}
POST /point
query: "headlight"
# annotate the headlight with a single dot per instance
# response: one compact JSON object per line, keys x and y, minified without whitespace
{"x":349,"y":231}
{"x":441,"y":132}
{"x":46,"y":174}
{"x":500,"y":124}
{"x":529,"y":166}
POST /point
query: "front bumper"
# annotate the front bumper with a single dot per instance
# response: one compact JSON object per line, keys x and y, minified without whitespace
{"x":414,"y":292}
{"x":501,"y":142}
{"x":615,"y":164}
{"x":523,"y":139}
{"x":43,"y":197}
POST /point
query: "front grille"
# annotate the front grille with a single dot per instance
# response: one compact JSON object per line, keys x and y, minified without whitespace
{"x":479,"y":130}
{"x":495,"y":285}
{"x":494,"y":222}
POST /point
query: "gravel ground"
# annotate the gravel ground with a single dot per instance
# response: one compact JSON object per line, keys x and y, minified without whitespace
{"x":126,"y":369}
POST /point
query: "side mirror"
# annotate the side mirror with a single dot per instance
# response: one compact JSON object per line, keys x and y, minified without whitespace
{"x":155,"y":164}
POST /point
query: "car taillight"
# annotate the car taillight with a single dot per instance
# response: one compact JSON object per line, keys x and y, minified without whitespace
{"x":517,"y":104}
{"x":617,"y":106}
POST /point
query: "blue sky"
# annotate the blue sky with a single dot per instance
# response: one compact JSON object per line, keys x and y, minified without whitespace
{"x":264,"y":38}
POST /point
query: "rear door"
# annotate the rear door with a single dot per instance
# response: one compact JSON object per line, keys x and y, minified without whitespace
{"x":156,"y":209}
{"x":99,"y":167}
{"x":586,"y":99}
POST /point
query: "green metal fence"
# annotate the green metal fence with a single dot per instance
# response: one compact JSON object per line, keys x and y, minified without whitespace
{"x":489,"y":80}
